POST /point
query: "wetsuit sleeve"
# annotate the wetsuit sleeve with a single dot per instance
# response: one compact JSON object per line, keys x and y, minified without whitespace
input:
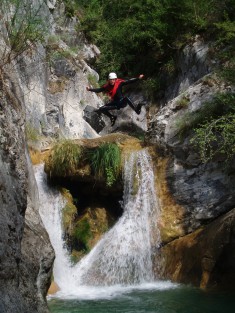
{"x":101,"y":89}
{"x":130,"y":81}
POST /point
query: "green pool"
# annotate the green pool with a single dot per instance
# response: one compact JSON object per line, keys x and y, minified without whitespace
{"x":154,"y":298}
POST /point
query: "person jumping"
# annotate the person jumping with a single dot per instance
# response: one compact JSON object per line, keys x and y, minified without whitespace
{"x":114,"y":90}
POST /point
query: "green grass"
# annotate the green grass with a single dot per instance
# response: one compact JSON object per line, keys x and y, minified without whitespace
{"x":65,"y":158}
{"x":32,"y":134}
{"x":106,"y":162}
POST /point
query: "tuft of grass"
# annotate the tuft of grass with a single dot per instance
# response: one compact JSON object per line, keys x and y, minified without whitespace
{"x":64,"y":158}
{"x":183,"y":102}
{"x":32,"y":134}
{"x":106,"y":162}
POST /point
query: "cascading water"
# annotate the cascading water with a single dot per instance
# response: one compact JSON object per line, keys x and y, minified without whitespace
{"x":123,"y":255}
{"x":51,"y":205}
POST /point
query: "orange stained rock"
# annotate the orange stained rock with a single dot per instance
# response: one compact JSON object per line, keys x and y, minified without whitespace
{"x":172,"y":214}
{"x":53,"y":288}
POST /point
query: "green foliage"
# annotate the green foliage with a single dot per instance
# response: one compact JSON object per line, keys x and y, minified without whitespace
{"x":150,"y":86}
{"x":216,"y":138}
{"x":227,"y":58}
{"x":138,"y":36}
{"x":65,"y":158}
{"x":106,"y":162}
{"x":214,"y":133}
{"x":82,"y":232}
{"x":70,"y":8}
{"x":220,"y":105}
{"x":24,"y":24}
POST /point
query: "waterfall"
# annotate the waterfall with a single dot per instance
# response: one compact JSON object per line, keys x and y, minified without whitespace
{"x":123,"y":255}
{"x":51,"y":205}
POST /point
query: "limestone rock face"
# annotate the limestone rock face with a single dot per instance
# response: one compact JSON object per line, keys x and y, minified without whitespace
{"x":193,"y":63}
{"x":37,"y":252}
{"x":26,"y":255}
{"x":54,"y":78}
{"x":203,"y":190}
{"x":13,"y":201}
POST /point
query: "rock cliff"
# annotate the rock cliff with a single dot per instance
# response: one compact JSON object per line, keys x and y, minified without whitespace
{"x":25,"y":250}
{"x":192,"y":193}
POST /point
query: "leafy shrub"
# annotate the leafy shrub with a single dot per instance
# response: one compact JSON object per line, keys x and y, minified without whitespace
{"x":216,"y":138}
{"x":106,"y":162}
{"x":64,"y":158}
{"x":214,"y":128}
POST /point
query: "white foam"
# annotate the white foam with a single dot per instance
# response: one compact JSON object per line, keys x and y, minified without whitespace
{"x":110,"y":292}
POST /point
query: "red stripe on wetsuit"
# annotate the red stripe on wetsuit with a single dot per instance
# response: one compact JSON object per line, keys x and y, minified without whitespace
{"x":111,"y":90}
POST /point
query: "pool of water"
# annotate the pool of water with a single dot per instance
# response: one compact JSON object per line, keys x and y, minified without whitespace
{"x":153,"y":298}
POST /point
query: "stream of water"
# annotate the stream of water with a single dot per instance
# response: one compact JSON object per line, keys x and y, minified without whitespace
{"x":117,"y":276}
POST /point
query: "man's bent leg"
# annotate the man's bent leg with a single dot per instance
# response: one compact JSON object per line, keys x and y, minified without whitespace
{"x":129,"y":102}
{"x":105,"y":110}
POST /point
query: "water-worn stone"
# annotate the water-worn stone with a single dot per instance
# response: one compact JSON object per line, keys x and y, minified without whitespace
{"x":205,"y":258}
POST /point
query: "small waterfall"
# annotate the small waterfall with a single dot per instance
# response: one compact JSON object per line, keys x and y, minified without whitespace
{"x":123,"y":255}
{"x":51,"y":205}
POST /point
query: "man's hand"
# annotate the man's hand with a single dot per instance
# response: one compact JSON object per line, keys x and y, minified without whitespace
{"x":141,"y":76}
{"x":88,"y":88}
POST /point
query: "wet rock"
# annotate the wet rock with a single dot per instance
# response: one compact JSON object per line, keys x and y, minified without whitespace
{"x":205,"y":258}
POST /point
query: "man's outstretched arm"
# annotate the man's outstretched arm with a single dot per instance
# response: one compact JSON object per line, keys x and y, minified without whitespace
{"x":101,"y":89}
{"x":132,"y":80}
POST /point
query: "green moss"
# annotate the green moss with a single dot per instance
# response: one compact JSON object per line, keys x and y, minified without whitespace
{"x":69,"y":212}
{"x":82,"y":232}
